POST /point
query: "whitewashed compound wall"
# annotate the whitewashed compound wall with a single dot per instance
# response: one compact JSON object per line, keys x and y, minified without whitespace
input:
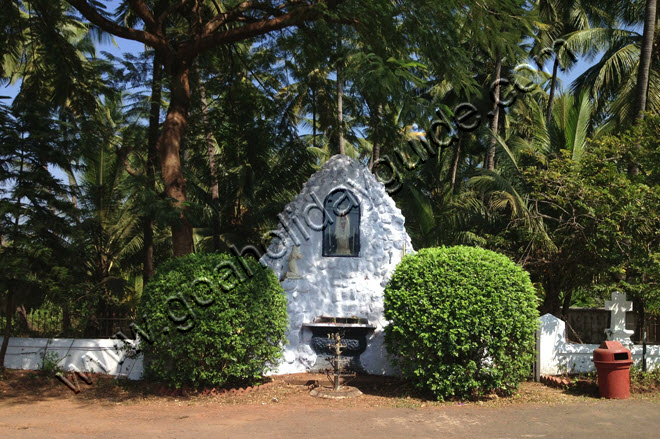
{"x":86,"y":355}
{"x":557,"y":356}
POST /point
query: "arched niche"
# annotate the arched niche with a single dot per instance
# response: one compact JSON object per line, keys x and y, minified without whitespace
{"x":341,"y":224}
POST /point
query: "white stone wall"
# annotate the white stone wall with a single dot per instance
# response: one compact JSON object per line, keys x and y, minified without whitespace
{"x":338,"y":286}
{"x":557,"y":356}
{"x":84,"y":354}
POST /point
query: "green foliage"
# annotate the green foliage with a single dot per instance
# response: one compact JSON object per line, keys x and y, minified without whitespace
{"x":50,"y":363}
{"x":82,"y":245}
{"x":210,"y":323}
{"x":641,"y":381}
{"x":462,"y":321}
{"x":604,"y":221}
{"x":35,"y":211}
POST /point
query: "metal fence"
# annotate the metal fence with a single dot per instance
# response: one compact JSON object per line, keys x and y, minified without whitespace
{"x":52,"y":323}
{"x":587,"y":325}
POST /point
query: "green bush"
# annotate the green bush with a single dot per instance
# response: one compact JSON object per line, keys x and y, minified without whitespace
{"x":50,"y":363}
{"x":462,"y":321}
{"x":211,"y":323}
{"x":641,"y":381}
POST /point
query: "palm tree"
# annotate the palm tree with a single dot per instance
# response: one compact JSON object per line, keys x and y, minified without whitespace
{"x":532,"y":143}
{"x":256,"y":168}
{"x":112,"y":237}
{"x":614,"y":81}
{"x":324,"y":90}
{"x":150,"y":165}
{"x":52,"y":54}
{"x":557,"y":19}
{"x":643,"y":71}
{"x":500,"y":43}
{"x":570,"y":128}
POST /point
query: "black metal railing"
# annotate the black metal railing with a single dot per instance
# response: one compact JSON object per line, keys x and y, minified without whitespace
{"x":587,"y":325}
{"x":38,"y":323}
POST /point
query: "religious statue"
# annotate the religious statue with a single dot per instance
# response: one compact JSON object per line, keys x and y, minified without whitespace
{"x":293,"y":264}
{"x":342,"y":235}
{"x":341,"y":230}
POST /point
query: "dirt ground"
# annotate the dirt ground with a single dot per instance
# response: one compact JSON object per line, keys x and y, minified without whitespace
{"x":35,"y":406}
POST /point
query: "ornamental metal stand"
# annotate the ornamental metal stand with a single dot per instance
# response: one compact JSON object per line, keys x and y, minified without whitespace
{"x":337,"y":372}
{"x":336,"y":361}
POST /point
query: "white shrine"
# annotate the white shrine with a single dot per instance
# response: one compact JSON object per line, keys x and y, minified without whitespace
{"x":336,"y":247}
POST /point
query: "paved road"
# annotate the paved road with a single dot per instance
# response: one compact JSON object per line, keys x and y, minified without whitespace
{"x":80,"y":419}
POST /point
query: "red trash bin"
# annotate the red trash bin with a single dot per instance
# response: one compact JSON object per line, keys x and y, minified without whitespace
{"x":613,"y":363}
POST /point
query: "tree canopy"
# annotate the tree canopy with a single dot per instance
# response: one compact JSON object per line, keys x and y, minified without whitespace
{"x":111,"y":165}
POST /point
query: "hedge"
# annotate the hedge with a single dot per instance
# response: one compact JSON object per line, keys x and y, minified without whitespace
{"x":462,"y":321}
{"x":211,"y":323}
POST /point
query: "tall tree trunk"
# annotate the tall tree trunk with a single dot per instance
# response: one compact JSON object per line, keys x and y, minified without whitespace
{"x":641,"y":320}
{"x":375,"y":153}
{"x":455,"y":162}
{"x":490,"y":154}
{"x":553,"y":86}
{"x":7,"y":333}
{"x":66,"y":317}
{"x":169,"y":148}
{"x":152,"y":157}
{"x":502,"y":123}
{"x":552,"y":285}
{"x":340,"y":112}
{"x":340,"y":96}
{"x":568,"y":297}
{"x":210,"y":150}
{"x":314,"y":118}
{"x":551,"y":302}
{"x":646,"y":54}
{"x":9,"y":311}
{"x":643,"y":72}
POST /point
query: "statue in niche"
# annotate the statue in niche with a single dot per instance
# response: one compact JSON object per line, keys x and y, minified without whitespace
{"x":341,"y":225}
{"x":293,"y":264}
{"x":343,"y":235}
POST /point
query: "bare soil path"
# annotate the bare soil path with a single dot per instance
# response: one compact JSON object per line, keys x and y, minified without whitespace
{"x":44,"y":408}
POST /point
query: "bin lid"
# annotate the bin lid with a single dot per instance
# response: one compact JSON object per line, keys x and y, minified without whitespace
{"x":612,"y":352}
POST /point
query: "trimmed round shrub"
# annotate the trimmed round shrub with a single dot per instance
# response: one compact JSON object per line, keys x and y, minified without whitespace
{"x":212,"y":320}
{"x":462,"y":322}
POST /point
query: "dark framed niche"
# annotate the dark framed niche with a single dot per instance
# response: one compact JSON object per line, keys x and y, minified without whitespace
{"x":341,"y":225}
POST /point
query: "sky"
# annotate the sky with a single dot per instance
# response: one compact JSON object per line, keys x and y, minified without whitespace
{"x":568,"y":78}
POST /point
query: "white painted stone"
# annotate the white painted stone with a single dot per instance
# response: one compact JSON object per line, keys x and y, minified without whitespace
{"x":84,"y":354}
{"x":551,"y":332}
{"x":557,"y":356}
{"x":289,"y":357}
{"x":340,"y":287}
{"x":618,"y":306}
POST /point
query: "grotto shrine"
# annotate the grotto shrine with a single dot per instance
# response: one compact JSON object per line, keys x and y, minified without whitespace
{"x":334,"y":251}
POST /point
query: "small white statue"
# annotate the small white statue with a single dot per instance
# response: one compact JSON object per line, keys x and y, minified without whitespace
{"x":293,"y":264}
